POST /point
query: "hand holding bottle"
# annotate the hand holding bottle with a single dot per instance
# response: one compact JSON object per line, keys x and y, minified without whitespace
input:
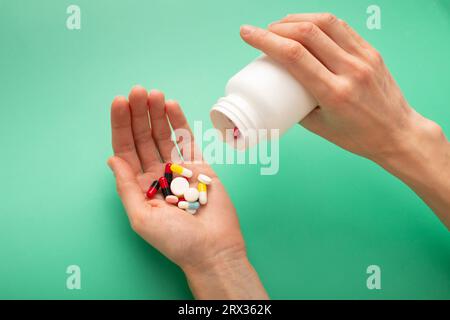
{"x":361,"y":108}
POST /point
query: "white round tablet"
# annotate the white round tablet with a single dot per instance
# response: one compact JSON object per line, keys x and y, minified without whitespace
{"x":191,"y":195}
{"x":203,"y":178}
{"x":178,"y":186}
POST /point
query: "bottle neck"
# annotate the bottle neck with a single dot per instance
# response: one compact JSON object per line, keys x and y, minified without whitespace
{"x":232,"y":112}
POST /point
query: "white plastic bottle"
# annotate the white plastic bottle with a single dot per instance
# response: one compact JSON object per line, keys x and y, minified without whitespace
{"x":263,"y":95}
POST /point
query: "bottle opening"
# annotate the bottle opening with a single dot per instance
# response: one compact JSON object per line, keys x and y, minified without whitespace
{"x":232,"y":132}
{"x":237,"y":121}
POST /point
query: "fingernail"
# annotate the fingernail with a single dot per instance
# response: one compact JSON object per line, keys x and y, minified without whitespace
{"x":246,"y":30}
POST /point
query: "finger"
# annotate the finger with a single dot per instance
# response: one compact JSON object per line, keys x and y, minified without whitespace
{"x":360,"y":40}
{"x":188,"y":147}
{"x":140,"y":123}
{"x":122,"y":135}
{"x":161,"y":131}
{"x":128,"y":187}
{"x":331,"y":26}
{"x":314,"y":76}
{"x":316,"y":41}
{"x":367,"y":52}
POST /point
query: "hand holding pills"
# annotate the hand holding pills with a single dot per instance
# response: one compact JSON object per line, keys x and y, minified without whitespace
{"x":183,"y":210}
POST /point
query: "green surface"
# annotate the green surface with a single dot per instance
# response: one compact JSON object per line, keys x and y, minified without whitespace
{"x":58,"y":203}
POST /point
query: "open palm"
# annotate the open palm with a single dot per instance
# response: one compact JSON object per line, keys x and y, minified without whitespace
{"x":142,"y":144}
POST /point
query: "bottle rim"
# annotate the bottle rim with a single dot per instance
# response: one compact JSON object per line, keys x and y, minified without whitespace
{"x":234,"y":112}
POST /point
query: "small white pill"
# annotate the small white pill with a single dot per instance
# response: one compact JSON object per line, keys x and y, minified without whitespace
{"x":191,"y":195}
{"x":183,"y":204}
{"x":191,"y":211}
{"x":203,"y":198}
{"x":203,"y":178}
{"x":178,"y":186}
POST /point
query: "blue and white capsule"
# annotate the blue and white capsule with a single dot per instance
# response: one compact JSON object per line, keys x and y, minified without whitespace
{"x":188,"y":205}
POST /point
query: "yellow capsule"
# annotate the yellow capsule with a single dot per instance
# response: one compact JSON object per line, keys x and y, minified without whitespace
{"x":176,"y":168}
{"x":203,"y":196}
{"x":201,"y":187}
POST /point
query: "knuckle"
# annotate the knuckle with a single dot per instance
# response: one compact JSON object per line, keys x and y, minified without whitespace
{"x":293,"y":52}
{"x":141,"y":137}
{"x":124,"y":148}
{"x":121,"y":187}
{"x":327,"y":18}
{"x":343,"y":23}
{"x":307,"y":29}
{"x":342,"y":93}
{"x":362,"y":73}
{"x":434,"y":129}
{"x":376,"y":57}
{"x":261,"y":35}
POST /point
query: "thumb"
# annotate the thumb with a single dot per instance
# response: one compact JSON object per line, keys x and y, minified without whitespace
{"x":127,"y":185}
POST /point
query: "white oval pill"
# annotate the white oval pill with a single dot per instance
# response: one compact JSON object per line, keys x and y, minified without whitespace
{"x":203,"y":178}
{"x":191,"y":211}
{"x":191,"y":195}
{"x":187,"y":173}
{"x":172,"y":199}
{"x":183,"y":204}
{"x":178,"y":186}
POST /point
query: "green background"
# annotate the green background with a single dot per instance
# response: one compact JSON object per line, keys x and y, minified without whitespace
{"x":311,"y":230}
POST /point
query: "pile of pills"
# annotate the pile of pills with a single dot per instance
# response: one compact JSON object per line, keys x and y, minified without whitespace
{"x":177,"y":190}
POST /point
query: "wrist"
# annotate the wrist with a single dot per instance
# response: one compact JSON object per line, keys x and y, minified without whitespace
{"x":227,"y":275}
{"x":423,"y":151}
{"x":422,"y":162}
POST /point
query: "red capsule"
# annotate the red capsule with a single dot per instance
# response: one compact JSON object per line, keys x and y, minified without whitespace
{"x":153,"y":189}
{"x":168,"y":173}
{"x":236,"y":132}
{"x":164,"y":187}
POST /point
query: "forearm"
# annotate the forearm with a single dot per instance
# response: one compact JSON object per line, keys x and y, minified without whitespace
{"x":423,"y":163}
{"x":225,"y":278}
